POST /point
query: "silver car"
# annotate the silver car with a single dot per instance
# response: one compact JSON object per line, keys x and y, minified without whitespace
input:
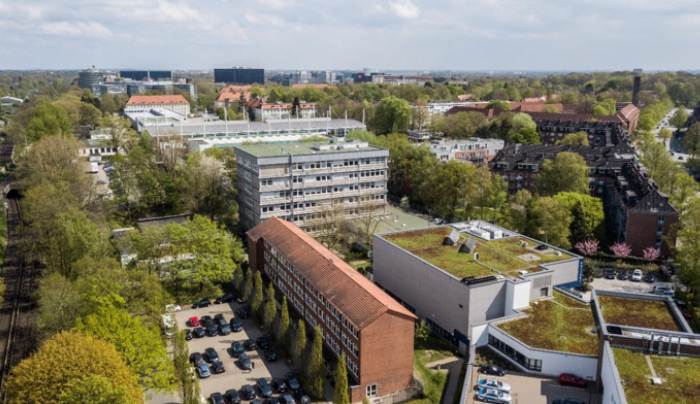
{"x":496,"y":384}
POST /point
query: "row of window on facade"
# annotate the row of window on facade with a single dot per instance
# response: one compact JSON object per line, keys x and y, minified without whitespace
{"x":338,"y":163}
{"x":528,"y":363}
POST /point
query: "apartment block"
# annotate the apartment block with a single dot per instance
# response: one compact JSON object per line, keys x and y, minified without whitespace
{"x":356,"y":318}
{"x":305,"y":182}
{"x":473,"y":150}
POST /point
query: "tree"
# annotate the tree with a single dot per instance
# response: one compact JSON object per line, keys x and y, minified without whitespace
{"x":498,"y":105}
{"x":211,"y":188}
{"x":688,"y":253}
{"x":270,"y":309}
{"x":247,"y":285}
{"x":486,"y":196}
{"x":587,"y":214}
{"x":550,"y":221}
{"x":330,"y":225}
{"x":392,"y":115}
{"x":62,"y":361}
{"x":575,"y":139}
{"x":679,"y":118}
{"x":422,"y":332}
{"x":588,"y":247}
{"x":691,"y":139}
{"x":447,"y":188}
{"x":651,"y":253}
{"x":48,"y":119}
{"x":300,"y":344}
{"x":59,"y":304}
{"x":606,"y":107}
{"x":666,"y":135}
{"x":141,"y":347}
{"x":621,"y":250}
{"x":316,"y":370}
{"x":340,"y":392}
{"x":257,"y":301}
{"x":283,"y":328}
{"x":568,"y":172}
{"x":94,"y":390}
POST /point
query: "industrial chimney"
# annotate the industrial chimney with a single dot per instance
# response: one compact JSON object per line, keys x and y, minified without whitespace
{"x":635,"y":90}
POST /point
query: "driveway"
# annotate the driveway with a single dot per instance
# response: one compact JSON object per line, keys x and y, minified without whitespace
{"x":617,"y":285}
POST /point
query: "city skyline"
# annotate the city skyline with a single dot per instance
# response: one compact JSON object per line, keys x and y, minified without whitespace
{"x":391,"y":35}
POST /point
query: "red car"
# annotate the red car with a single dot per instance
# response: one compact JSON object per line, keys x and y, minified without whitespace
{"x":194,"y":322}
{"x":569,"y":379}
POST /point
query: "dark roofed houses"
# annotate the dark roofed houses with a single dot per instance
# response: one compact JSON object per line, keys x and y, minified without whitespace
{"x":357,"y":318}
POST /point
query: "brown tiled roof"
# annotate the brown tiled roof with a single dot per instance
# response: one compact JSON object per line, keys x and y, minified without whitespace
{"x":357,"y":298}
{"x":629,"y":112}
{"x":156,"y":100}
{"x":288,"y":105}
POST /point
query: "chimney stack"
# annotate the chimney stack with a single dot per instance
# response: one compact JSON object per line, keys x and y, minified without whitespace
{"x":635,"y":90}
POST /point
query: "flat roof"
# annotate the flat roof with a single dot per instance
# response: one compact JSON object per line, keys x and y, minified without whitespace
{"x":201,"y":127}
{"x":679,"y":377}
{"x":637,"y":313}
{"x":558,"y":324}
{"x":304,"y":147}
{"x":506,"y":256}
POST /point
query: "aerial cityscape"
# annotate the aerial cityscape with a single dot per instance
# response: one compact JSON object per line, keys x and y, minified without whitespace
{"x":399,"y":201}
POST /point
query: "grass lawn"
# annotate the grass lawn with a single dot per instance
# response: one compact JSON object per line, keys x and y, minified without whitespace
{"x":434,"y":382}
{"x":559,"y":327}
{"x":637,"y":313}
{"x":680,"y":377}
{"x":512,"y":246}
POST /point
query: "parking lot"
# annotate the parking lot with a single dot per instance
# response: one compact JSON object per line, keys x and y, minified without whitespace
{"x":629,"y":286}
{"x":234,"y":377}
{"x":530,"y":389}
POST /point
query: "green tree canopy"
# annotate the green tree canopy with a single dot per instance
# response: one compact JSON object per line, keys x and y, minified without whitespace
{"x":340,"y":392}
{"x":392,"y":115}
{"x":316,"y":370}
{"x":300,"y":344}
{"x":48,"y":119}
{"x":550,"y":221}
{"x":575,"y":139}
{"x":679,"y":118}
{"x":567,"y":172}
{"x":587,"y":214}
{"x":94,"y":390}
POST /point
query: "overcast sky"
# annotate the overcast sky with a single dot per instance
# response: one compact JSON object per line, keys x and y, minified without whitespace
{"x":351,"y":34}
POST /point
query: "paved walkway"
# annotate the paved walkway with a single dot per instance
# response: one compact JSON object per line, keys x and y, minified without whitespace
{"x":453,"y":365}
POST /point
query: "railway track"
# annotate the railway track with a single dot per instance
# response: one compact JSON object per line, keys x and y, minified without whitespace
{"x":17,"y":334}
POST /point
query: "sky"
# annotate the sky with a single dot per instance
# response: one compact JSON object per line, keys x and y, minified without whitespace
{"x":569,"y":35}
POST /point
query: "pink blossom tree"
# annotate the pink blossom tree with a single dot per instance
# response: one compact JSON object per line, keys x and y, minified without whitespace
{"x":621,"y":250}
{"x":587,"y":247}
{"x":651,"y":253}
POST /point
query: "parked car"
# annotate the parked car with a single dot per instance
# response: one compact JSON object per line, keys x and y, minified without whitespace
{"x":198,"y":332}
{"x":216,"y":398}
{"x":206,"y":321}
{"x":494,"y":384}
{"x":244,"y":362}
{"x":220,"y":319}
{"x":286,"y":398}
{"x":623,"y":275}
{"x":264,"y":387}
{"x":650,"y":278}
{"x":680,"y":303}
{"x":270,"y":355}
{"x":228,"y":297}
{"x":224,"y":329}
{"x":236,"y":325}
{"x":568,"y":401}
{"x":242,"y":313}
{"x":610,"y":274}
{"x":218,"y":367}
{"x":237,"y":348}
{"x":247,"y":392}
{"x":492,"y":369}
{"x":202,"y":303}
{"x":232,"y":397}
{"x":273,"y":400}
{"x":188,"y":335}
{"x":302,"y":397}
{"x":173,"y":307}
{"x":279,"y":385}
{"x":193,"y":321}
{"x":212,"y":330}
{"x":570,"y":379}
{"x":490,"y":395}
{"x":203,"y":371}
{"x":211,"y":354}
{"x":249,"y":344}
{"x":196,"y":358}
{"x":637,"y":275}
{"x":662,"y":290}
{"x":293,"y":382}
{"x":263,"y":342}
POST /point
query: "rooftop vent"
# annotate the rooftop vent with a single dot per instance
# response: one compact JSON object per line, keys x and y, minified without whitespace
{"x":452,"y":238}
{"x":468,"y":246}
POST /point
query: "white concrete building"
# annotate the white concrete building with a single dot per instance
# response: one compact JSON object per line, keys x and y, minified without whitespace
{"x":145,"y":103}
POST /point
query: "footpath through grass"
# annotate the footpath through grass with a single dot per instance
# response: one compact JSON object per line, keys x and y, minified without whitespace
{"x":434,"y":382}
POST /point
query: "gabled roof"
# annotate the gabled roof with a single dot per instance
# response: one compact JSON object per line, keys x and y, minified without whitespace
{"x":156,"y":100}
{"x":355,"y":296}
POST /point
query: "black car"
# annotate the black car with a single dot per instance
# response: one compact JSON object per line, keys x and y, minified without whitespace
{"x":218,"y":367}
{"x":219,"y":319}
{"x":610,"y":274}
{"x":236,"y":325}
{"x":293,"y":382}
{"x":249,"y":344}
{"x":212,"y":330}
{"x":196,"y":358}
{"x":206,"y":321}
{"x":568,"y":401}
{"x":247,"y":392}
{"x":232,"y":397}
{"x":212,"y":356}
{"x":279,"y":385}
{"x":541,"y":247}
{"x":302,"y":397}
{"x":242,"y":313}
{"x":198,"y":332}
{"x":237,"y":348}
{"x":287,"y":399}
{"x":202,"y":303}
{"x":188,"y":335}
{"x":492,"y":369}
{"x":224,"y":329}
{"x":263,"y":342}
{"x":270,"y":355}
{"x":273,"y":400}
{"x":244,"y":362}
{"x":264,"y":387}
{"x":228,"y":297}
{"x":649,"y":277}
{"x":623,"y":275}
{"x":216,"y":398}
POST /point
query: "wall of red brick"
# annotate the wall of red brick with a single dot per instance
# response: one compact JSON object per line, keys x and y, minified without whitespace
{"x":641,"y":232}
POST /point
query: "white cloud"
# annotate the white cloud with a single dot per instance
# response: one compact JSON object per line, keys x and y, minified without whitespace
{"x":404,"y":9}
{"x":90,"y":29}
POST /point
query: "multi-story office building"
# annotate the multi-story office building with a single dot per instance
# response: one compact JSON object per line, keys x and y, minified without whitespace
{"x":357,"y":318}
{"x":473,"y":150}
{"x":146,"y":74}
{"x":90,"y":78}
{"x":174,"y":103}
{"x":306,"y":182}
{"x":239,"y":75}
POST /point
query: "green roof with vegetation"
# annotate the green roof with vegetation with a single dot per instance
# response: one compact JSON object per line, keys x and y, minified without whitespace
{"x":558,"y":324}
{"x":679,"y":377}
{"x":503,"y":257}
{"x":297,"y":148}
{"x":637,"y":313}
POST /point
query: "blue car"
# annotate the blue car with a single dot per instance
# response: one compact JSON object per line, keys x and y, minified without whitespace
{"x":490,"y":395}
{"x":203,"y":371}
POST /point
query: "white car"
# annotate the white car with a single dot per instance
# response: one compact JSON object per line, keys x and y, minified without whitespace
{"x":637,"y":275}
{"x":495,"y":384}
{"x":493,"y":396}
{"x":171,"y":308}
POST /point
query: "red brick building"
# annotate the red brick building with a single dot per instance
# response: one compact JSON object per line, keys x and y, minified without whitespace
{"x":356,"y":317}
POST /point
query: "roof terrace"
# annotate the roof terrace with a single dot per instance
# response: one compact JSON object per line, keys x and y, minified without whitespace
{"x":637,"y":313}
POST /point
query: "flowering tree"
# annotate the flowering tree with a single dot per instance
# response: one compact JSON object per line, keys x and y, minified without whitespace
{"x":587,"y":247}
{"x":621,"y":250}
{"x":651,"y":253}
